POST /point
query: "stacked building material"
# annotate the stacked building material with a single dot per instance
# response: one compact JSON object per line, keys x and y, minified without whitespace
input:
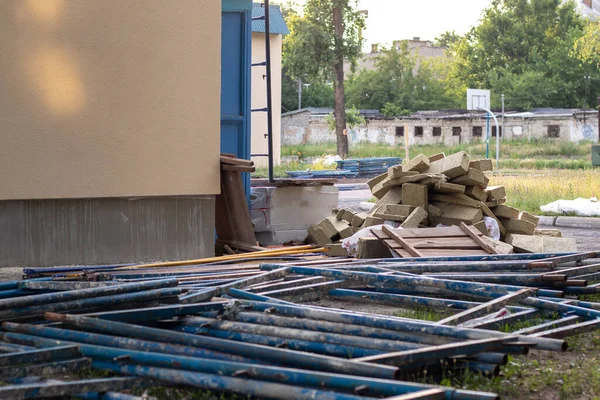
{"x":440,"y":190}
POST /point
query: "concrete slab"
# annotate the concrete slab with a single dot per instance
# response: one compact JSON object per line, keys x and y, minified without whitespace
{"x":546,"y":220}
{"x":578,"y":222}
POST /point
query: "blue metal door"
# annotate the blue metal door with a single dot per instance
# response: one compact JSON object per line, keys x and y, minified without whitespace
{"x":235,"y":79}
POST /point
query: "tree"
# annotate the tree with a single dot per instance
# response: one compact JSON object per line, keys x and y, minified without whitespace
{"x":328,"y":33}
{"x":523,"y":48}
{"x":447,"y":39}
{"x":587,"y":47}
{"x":400,"y":82}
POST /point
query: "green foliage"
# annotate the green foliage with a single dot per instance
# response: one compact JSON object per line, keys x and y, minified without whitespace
{"x":523,"y":48}
{"x":400,"y":81}
{"x":318,"y":95}
{"x":353,"y":118}
{"x":447,"y":39}
{"x":587,"y":47}
{"x":310,"y":50}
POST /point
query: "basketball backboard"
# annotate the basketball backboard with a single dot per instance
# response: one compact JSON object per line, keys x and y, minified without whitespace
{"x":478,"y":98}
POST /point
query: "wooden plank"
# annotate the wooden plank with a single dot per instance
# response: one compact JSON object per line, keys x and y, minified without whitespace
{"x":226,"y":159}
{"x":465,"y":243}
{"x":241,"y":245}
{"x":401,"y":241}
{"x":232,"y":220}
{"x":237,"y":168}
{"x":448,"y":231}
{"x":475,"y":235}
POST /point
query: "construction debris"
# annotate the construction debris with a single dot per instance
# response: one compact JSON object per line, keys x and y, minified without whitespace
{"x":247,"y":328}
{"x":441,"y":191}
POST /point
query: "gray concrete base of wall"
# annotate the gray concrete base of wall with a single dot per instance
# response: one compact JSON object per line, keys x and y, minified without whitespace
{"x":105,"y":231}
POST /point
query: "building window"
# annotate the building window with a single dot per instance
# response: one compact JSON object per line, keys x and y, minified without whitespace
{"x":399,"y":131}
{"x":494,"y":131}
{"x":456,"y":131}
{"x":418,"y":131}
{"x":437,"y":131}
{"x":553,"y":131}
{"x":477,"y":131}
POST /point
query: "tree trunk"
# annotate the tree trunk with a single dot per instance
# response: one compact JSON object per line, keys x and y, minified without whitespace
{"x":338,"y":69}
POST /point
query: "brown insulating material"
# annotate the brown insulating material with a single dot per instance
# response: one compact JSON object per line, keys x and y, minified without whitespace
{"x":415,"y":195}
{"x":393,"y":196}
{"x":339,"y":214}
{"x":348,"y":215}
{"x":506,"y":212}
{"x":374,"y":181}
{"x":415,"y":218}
{"x":548,"y":232}
{"x":372,"y":221}
{"x":436,"y":157}
{"x":370,"y":247}
{"x":476,"y":192}
{"x":445,"y":187}
{"x":518,"y":226}
{"x":524,"y":215}
{"x":336,"y":250}
{"x":472,"y":177}
{"x":452,"y":166}
{"x":398,"y":172}
{"x":483,"y":165}
{"x":317,"y":235}
{"x":453,"y":214}
{"x":481,"y":227}
{"x":495,"y":193}
{"x":419,"y":164}
{"x":359,"y":219}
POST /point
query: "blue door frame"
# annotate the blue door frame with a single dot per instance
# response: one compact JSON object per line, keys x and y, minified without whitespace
{"x":236,"y":60}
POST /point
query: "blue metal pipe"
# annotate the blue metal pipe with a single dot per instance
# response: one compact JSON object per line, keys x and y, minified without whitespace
{"x":72,"y":388}
{"x":328,"y":349}
{"x":398,"y":324}
{"x":33,"y":356}
{"x":103,"y":301}
{"x":287,"y":357}
{"x":374,"y":387}
{"x":114,"y":341}
{"x":470,"y":288}
{"x":405,"y":300}
{"x":14,"y":348}
{"x":156,"y":313}
{"x":247,"y":387}
{"x":265,"y":276}
{"x":407,"y":339}
{"x":84,"y":293}
{"x":302,"y":334}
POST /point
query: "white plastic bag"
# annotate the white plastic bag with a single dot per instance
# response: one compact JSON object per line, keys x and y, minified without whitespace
{"x":580,"y":206}
{"x":492,"y":226}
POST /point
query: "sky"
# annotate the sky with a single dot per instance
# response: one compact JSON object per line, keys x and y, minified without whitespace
{"x":404,"y":19}
{"x":391,"y":20}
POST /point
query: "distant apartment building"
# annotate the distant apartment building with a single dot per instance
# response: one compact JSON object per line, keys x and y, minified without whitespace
{"x":589,"y":8}
{"x":425,"y":49}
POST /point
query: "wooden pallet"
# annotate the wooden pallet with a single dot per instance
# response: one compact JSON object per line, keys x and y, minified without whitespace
{"x":431,"y":242}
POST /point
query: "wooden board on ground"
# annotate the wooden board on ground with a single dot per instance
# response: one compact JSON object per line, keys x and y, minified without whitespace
{"x":428,"y":242}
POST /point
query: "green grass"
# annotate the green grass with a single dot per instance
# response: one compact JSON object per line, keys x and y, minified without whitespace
{"x":422,"y":313}
{"x":515,"y":154}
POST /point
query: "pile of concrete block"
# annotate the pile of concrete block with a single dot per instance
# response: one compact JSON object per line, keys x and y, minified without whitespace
{"x":439,"y":190}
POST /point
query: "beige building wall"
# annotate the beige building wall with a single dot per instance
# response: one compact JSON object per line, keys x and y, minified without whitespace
{"x":259,"y":98}
{"x":109,"y":98}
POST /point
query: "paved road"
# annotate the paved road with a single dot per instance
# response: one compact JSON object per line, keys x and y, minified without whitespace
{"x":587,"y":239}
